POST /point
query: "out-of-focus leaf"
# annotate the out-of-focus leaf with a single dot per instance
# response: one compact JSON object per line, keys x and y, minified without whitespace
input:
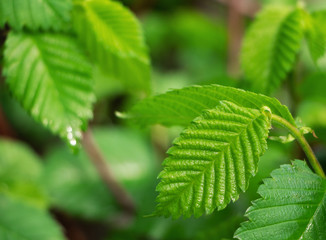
{"x":313,"y":87}
{"x":105,"y":85}
{"x":279,"y":2}
{"x":315,"y":34}
{"x":74,"y":185}
{"x":114,"y":39}
{"x":51,"y":78}
{"x":313,"y":113}
{"x":40,"y":14}
{"x":20,"y":173}
{"x":157,"y":29}
{"x":192,"y":29}
{"x":270,"y":47}
{"x":25,"y":126}
{"x":202,"y":42}
{"x":19,"y":221}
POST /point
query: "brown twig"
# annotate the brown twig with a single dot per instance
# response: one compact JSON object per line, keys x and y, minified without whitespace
{"x":235,"y":35}
{"x":121,"y":195}
{"x":246,"y":8}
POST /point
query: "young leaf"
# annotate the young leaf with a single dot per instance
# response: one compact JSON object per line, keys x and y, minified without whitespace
{"x":41,"y":14}
{"x":51,"y":78}
{"x":212,"y":161}
{"x":270,"y":47}
{"x":179,"y":107}
{"x":114,"y":39}
{"x":292,"y":206}
{"x":19,"y":221}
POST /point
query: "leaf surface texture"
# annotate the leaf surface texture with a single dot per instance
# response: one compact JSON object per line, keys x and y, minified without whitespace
{"x":51,"y":78}
{"x":293,"y":206}
{"x":40,"y":14}
{"x":212,"y":161}
{"x":181,"y":106}
{"x":114,"y":39}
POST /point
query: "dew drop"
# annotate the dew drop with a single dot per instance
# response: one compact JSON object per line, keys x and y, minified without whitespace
{"x":69,"y":129}
{"x":73,"y":142}
{"x":70,"y":135}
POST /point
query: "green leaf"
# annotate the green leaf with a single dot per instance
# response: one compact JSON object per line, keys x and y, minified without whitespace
{"x":270,"y":47}
{"x":292,"y":206}
{"x":180,"y":107}
{"x":19,"y":221}
{"x":51,"y":78}
{"x":114,"y":39}
{"x":213,"y":160}
{"x":41,"y":14}
{"x":315,"y":34}
{"x":20,"y":173}
{"x":75,"y":186}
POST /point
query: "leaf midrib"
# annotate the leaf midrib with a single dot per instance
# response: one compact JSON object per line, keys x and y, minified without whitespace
{"x":274,"y":52}
{"x":93,"y":14}
{"x":65,"y":111}
{"x":212,"y":162}
{"x":314,"y":215}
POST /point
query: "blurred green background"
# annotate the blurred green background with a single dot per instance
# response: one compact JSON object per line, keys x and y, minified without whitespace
{"x":190,"y":42}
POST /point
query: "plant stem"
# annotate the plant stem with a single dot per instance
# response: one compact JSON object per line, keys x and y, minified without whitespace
{"x":121,"y":195}
{"x":303,"y":143}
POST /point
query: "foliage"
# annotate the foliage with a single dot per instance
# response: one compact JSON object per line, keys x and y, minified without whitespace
{"x":43,"y":14}
{"x":74,"y":185}
{"x":204,"y":168}
{"x":267,"y":63}
{"x":212,"y":160}
{"x":53,"y":82}
{"x":22,"y":196}
{"x":179,"y":107}
{"x":113,"y":38}
{"x":20,"y":174}
{"x":292,"y":206}
{"x":70,"y":62}
{"x":16,"y":222}
{"x":50,"y":73}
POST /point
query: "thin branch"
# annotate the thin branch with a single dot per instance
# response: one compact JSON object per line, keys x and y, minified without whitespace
{"x":5,"y":127}
{"x":235,"y":34}
{"x":121,"y":195}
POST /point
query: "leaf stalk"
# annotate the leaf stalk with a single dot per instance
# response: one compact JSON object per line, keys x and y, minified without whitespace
{"x":302,"y":142}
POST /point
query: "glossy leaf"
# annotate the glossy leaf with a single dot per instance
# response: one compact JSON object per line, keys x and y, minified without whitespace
{"x":51,"y":78}
{"x":212,"y":161}
{"x":270,"y":47}
{"x":40,"y":14}
{"x":114,"y":39}
{"x":292,"y":206}
{"x":181,"y":106}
